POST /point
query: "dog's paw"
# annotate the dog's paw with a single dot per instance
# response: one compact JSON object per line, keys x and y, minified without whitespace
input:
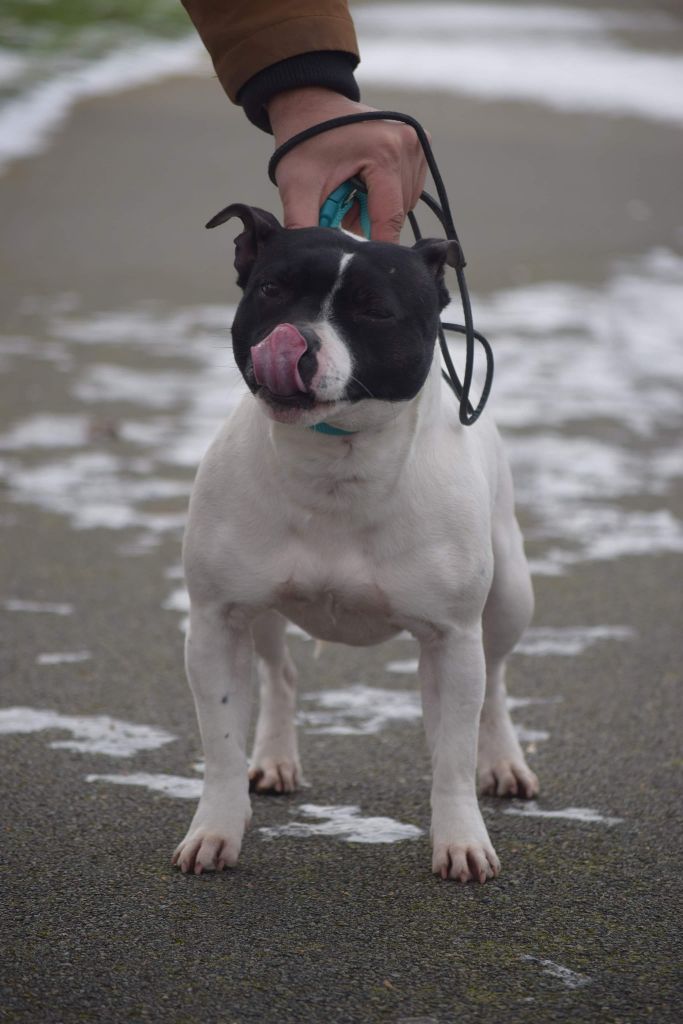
{"x":501,"y":766}
{"x":206,"y":850}
{"x":461,"y":848}
{"x":213,"y":840}
{"x":274,"y":775}
{"x":508,"y":777}
{"x":465,"y":862}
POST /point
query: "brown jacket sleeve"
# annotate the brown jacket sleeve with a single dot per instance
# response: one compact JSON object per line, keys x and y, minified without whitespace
{"x":244,"y":37}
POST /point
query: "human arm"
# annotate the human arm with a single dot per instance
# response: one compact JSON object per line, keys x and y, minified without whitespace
{"x":290,"y":65}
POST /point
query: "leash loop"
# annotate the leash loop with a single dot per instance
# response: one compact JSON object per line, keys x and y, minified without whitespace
{"x":351,"y":192}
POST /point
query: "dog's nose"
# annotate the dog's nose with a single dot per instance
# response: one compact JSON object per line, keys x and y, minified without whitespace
{"x":276,"y":361}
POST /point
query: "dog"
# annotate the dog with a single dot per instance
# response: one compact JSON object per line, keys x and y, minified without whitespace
{"x":344,"y":495}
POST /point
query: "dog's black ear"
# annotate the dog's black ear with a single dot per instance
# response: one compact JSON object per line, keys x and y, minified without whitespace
{"x":436,"y":253}
{"x":259,"y":226}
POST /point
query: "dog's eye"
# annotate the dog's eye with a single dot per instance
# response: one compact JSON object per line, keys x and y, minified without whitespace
{"x":377,"y":313}
{"x":271,"y":290}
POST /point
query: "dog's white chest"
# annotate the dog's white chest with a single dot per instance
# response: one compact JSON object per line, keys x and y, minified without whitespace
{"x":340,"y":605}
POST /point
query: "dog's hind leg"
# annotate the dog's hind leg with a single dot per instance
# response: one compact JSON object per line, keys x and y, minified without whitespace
{"x":501,"y":767}
{"x":275,"y":759}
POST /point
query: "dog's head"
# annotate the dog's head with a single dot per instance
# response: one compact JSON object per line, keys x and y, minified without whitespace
{"x":327,"y":320}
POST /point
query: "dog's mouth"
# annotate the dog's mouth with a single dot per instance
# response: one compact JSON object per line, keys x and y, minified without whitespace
{"x":300,"y":400}
{"x":281,"y":371}
{"x":303,"y":410}
{"x":283,"y":363}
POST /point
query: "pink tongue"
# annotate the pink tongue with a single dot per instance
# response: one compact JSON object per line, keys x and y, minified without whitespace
{"x":276,"y":361}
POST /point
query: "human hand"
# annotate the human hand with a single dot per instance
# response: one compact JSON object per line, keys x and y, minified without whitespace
{"x":386,"y":155}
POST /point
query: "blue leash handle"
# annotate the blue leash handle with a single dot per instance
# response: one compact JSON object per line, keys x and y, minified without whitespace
{"x":339,"y":202}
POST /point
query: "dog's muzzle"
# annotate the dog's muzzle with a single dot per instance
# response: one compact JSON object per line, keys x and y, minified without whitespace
{"x":276,"y":361}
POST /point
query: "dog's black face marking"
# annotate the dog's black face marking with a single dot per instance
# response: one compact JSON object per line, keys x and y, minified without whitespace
{"x":387,"y":310}
{"x":382,"y":300}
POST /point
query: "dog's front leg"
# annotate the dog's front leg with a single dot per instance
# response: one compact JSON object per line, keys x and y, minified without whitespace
{"x":218,"y":655}
{"x":452,"y":680}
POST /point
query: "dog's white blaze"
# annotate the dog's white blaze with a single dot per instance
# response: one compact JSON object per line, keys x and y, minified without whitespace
{"x":334,"y":358}
{"x":335,"y":365}
{"x":327,"y":303}
{"x":356,"y":238}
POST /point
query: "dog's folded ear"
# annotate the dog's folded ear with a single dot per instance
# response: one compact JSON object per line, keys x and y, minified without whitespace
{"x":259,"y":226}
{"x":436,"y":253}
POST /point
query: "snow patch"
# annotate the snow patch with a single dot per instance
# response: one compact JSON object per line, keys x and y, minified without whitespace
{"x":344,"y":823}
{"x":91,"y":734}
{"x":583,"y":814}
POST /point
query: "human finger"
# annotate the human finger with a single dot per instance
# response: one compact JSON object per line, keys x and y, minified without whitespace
{"x":300,"y":201}
{"x":385,"y":205}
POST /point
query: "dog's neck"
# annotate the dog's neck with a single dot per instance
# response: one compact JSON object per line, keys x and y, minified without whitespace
{"x":318,"y":470}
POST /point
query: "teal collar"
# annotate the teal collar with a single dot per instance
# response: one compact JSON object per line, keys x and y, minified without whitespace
{"x":327,"y":428}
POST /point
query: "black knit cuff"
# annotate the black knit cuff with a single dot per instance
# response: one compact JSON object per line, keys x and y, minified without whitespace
{"x":326,"y":69}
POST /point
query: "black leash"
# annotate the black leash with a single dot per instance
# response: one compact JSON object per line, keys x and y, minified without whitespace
{"x":468,"y":414}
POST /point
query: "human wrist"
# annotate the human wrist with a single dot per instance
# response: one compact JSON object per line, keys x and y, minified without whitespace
{"x":297,"y":109}
{"x":326,"y":71}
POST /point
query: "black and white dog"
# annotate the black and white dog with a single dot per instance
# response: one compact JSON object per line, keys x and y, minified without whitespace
{"x":389,"y":517}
